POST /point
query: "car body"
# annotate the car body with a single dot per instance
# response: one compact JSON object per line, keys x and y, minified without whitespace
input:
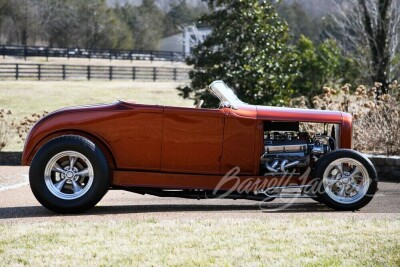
{"x":176,"y":151}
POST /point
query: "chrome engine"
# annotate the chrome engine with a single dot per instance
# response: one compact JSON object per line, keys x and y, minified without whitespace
{"x":287,"y":151}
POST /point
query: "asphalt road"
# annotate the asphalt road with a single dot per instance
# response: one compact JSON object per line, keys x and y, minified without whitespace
{"x":19,"y":204}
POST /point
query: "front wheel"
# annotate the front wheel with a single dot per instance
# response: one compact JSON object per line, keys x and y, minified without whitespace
{"x":346,"y":180}
{"x":69,"y":174}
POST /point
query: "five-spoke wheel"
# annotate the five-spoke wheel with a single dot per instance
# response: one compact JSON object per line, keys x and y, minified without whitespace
{"x":69,"y":174}
{"x":347,"y":180}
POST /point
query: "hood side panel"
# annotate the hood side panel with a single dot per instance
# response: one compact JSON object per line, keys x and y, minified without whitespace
{"x":301,"y":115}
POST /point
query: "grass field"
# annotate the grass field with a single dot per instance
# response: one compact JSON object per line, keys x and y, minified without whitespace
{"x":24,"y":98}
{"x":288,"y":241}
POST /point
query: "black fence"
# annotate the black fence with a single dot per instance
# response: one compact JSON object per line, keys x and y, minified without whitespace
{"x":72,"y":52}
{"x":86,"y":72}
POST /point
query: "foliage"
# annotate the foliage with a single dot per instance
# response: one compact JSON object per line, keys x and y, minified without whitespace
{"x":9,"y":127}
{"x":146,"y":23}
{"x":91,"y":24}
{"x":100,"y":27}
{"x":368,"y":30}
{"x":299,"y":22}
{"x":247,"y":49}
{"x":24,"y":126}
{"x":181,"y":14}
{"x":376,"y":115}
{"x":321,"y":65}
{"x":19,"y":20}
{"x":5,"y":125}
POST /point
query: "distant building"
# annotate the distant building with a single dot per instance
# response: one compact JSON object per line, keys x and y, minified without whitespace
{"x":185,"y":42}
{"x":172,"y":43}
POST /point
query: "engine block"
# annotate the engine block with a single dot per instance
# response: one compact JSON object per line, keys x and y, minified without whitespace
{"x":284,"y":151}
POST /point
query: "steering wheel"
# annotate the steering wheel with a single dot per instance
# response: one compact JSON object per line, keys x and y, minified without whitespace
{"x":200,"y":103}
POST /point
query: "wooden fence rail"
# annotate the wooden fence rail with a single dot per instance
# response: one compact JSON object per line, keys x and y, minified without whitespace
{"x":87,"y":72}
{"x":73,"y":52}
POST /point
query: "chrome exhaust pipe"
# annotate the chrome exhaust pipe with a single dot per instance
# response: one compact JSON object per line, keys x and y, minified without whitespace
{"x":292,"y":164}
{"x":283,"y":165}
{"x":272,"y":168}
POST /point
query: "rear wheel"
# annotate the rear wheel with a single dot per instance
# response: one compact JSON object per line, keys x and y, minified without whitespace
{"x":346,"y":180}
{"x":69,"y":174}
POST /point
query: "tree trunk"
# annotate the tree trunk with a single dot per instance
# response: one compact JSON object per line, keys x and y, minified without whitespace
{"x":378,"y":41}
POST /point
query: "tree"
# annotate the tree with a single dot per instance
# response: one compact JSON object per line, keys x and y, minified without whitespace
{"x":145,"y":22}
{"x":247,"y":49}
{"x":120,"y":36}
{"x":321,"y":65}
{"x":100,"y":28}
{"x":21,"y":19}
{"x":59,"y":20}
{"x":299,"y":22}
{"x":370,"y":30}
{"x":83,"y":23}
{"x":148,"y":26}
{"x":180,"y":15}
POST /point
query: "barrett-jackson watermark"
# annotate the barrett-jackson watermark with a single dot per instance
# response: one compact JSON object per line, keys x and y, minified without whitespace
{"x":260,"y":187}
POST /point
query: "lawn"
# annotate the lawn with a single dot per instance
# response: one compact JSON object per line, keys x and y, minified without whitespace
{"x":24,"y":98}
{"x":292,"y":240}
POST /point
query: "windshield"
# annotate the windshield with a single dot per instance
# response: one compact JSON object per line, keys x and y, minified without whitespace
{"x":225,"y":94}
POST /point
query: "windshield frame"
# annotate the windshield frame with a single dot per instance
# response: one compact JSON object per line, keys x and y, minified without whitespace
{"x":225,"y":94}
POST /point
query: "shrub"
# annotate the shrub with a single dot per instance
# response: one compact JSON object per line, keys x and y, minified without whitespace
{"x":5,"y":125}
{"x":376,"y":115}
{"x":8,"y":126}
{"x":26,"y":124}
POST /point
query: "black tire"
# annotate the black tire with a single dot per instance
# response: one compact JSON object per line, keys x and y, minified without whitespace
{"x":94,"y":186}
{"x":346,"y":203}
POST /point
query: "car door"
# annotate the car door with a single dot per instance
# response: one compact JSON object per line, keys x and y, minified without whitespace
{"x":192,"y":140}
{"x":242,"y":133}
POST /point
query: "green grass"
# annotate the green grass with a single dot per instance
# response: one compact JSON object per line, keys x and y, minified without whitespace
{"x":280,"y":241}
{"x":24,"y":98}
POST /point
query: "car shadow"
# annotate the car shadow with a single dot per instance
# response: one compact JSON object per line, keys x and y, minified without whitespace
{"x":161,"y":208}
{"x":39,"y":211}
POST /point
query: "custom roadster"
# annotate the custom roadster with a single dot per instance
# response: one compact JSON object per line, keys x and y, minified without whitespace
{"x":237,"y":151}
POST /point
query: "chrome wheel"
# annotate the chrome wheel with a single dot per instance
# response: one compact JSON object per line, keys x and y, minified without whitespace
{"x":69,"y":175}
{"x":346,"y":180}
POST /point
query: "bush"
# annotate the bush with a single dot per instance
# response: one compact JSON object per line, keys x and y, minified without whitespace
{"x":26,"y":124}
{"x":8,"y":126}
{"x":321,"y":64}
{"x":376,"y":115}
{"x":5,"y":126}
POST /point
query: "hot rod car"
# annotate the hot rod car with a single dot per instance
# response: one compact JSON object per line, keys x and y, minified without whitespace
{"x":237,"y":151}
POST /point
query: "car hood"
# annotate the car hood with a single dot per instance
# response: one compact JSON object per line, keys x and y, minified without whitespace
{"x":297,"y":114}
